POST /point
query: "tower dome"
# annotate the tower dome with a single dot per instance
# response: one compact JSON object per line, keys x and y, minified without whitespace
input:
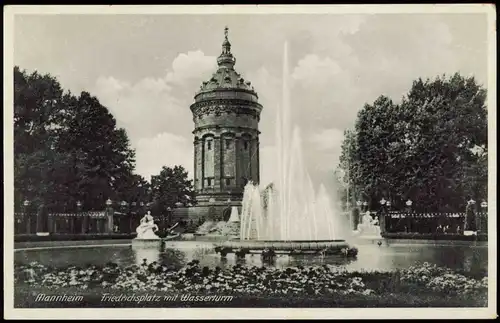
{"x":226,"y":114}
{"x":226,"y":78}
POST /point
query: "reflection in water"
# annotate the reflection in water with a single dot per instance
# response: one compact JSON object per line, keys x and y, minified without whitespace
{"x":176,"y":254}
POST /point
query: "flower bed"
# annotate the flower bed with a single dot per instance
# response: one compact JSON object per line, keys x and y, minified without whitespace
{"x":327,"y":284}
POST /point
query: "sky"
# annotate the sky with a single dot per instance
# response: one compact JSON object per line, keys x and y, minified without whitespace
{"x":146,"y":69}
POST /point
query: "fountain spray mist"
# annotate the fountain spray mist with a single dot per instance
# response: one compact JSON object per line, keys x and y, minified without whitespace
{"x":290,"y":209}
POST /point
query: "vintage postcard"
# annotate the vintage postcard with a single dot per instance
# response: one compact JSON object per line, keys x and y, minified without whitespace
{"x":250,"y":161}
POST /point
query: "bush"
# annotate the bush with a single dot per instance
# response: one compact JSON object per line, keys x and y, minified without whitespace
{"x":323,"y":280}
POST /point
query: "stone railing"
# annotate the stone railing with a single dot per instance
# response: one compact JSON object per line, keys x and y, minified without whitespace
{"x":430,"y":223}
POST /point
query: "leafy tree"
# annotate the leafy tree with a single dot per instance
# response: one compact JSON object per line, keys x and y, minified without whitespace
{"x":432,"y":148}
{"x":66,"y":148}
{"x":171,"y":187}
{"x":37,"y":113}
{"x":37,"y":110}
{"x":347,"y":171}
{"x":133,"y":188}
{"x":102,"y":158}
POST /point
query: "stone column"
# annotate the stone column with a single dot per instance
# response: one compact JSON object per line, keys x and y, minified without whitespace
{"x":254,"y":164}
{"x":198,"y":164}
{"x":258,"y":160}
{"x":482,"y":222}
{"x":110,"y":213}
{"x":51,"y":223}
{"x":41,"y":220}
{"x":217,"y":163}
{"x":85,"y":223}
{"x":470,"y":217}
{"x":27,"y":216}
{"x":237,"y":160}
{"x":78,"y":215}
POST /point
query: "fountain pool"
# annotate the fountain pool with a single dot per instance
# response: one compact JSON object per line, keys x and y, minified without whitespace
{"x":391,"y":255}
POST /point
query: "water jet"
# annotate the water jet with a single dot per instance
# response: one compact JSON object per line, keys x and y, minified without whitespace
{"x":287,"y":216}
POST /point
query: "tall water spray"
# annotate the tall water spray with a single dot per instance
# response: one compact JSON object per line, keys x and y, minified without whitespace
{"x":289,"y":209}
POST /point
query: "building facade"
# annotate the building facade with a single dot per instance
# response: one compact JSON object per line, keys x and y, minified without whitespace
{"x":226,"y":115}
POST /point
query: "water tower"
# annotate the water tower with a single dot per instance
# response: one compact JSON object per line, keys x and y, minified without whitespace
{"x":226,"y":115}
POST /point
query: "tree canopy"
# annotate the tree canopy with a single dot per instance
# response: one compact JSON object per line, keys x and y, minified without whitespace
{"x":431,"y":148}
{"x":67,"y":148}
{"x":171,"y":188}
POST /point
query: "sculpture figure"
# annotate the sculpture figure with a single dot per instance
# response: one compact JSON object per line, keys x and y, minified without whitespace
{"x":147,"y":228}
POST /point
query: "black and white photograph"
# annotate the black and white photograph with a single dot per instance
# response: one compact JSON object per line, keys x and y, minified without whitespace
{"x":212,"y":161}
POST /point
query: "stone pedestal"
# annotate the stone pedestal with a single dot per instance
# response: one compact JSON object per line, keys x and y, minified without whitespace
{"x":147,"y":243}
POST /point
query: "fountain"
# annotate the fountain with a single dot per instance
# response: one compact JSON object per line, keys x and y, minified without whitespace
{"x":290,"y":218}
{"x":146,"y":236}
{"x":369,"y":227}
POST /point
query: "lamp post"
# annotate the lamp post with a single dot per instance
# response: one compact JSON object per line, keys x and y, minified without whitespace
{"x":78,"y":212}
{"x":408,"y":205}
{"x":110,"y":216}
{"x":356,"y":216}
{"x":470,"y":216}
{"x":382,"y":215}
{"x":26,"y":205}
{"x":483,"y":227}
{"x":471,"y":203}
{"x":41,"y":221}
{"x":169,"y":215}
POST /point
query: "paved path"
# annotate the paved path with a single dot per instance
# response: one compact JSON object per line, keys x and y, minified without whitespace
{"x":33,"y":245}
